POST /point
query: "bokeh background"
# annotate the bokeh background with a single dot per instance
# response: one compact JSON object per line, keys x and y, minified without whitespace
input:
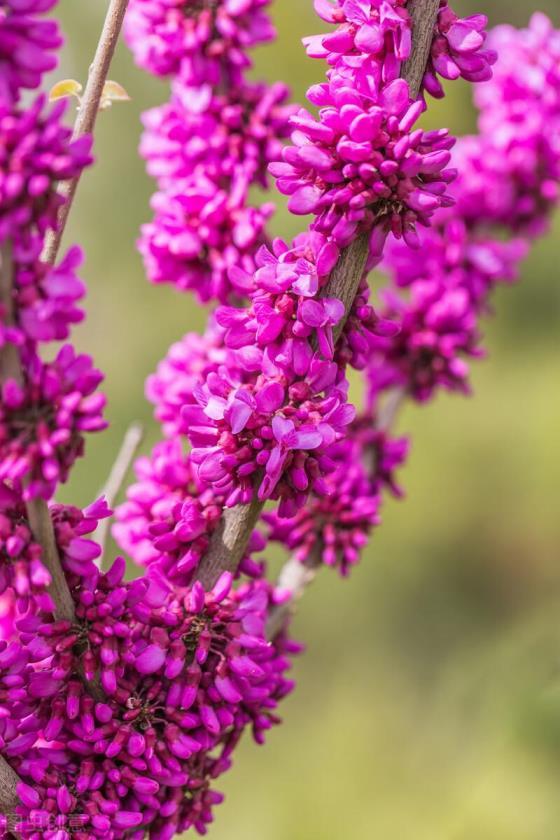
{"x":428,"y":703}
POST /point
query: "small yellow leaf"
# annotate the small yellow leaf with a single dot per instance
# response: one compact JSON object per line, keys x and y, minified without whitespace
{"x":113,"y":92}
{"x":67,"y":87}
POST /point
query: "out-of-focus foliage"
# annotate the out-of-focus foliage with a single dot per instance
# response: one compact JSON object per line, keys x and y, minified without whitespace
{"x":428,"y":705}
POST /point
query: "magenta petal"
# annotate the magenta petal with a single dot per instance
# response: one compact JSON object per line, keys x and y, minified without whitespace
{"x":395,"y":97}
{"x":281,"y":427}
{"x":369,"y":38}
{"x":305,"y":200}
{"x":270,"y":398}
{"x":238,"y":416}
{"x":307,"y":438}
{"x":464,"y":38}
{"x":312,"y":313}
{"x":150,"y":660}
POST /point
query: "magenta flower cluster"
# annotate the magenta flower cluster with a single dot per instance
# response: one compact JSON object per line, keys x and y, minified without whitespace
{"x":183,"y":674}
{"x":210,"y":144}
{"x":119,"y":719}
{"x":27,"y":46}
{"x":507,"y":187}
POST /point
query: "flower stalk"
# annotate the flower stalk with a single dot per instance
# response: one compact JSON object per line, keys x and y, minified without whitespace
{"x":231,"y":538}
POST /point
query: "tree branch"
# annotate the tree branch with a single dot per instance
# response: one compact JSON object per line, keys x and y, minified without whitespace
{"x":87,"y":115}
{"x":37,"y":509}
{"x":41,"y":525}
{"x":230,"y":540}
{"x":424,"y":15}
{"x":8,"y":783}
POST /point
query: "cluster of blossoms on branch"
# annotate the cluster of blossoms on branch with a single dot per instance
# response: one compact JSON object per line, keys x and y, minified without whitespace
{"x":119,"y":717}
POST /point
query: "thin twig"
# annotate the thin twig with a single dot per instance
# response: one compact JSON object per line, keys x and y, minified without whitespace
{"x":230,"y":540}
{"x":87,"y":115}
{"x":130,"y":445}
{"x":389,"y":411}
{"x":294,"y":579}
{"x":10,"y":367}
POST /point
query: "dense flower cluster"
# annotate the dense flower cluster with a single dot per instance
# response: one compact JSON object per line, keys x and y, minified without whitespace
{"x":36,"y":153}
{"x":42,"y":422}
{"x":457,"y":50}
{"x":188,"y":362}
{"x":228,"y":135}
{"x":45,"y":298}
{"x":262,"y":398}
{"x":184,"y":674}
{"x":361,"y":167}
{"x":209,"y":145}
{"x":47,"y":406}
{"x":203,"y":41}
{"x":334,"y":528}
{"x":27,"y":45}
{"x":22,"y":573}
{"x":508,"y":184}
{"x":199,"y":234}
{"x":119,"y":718}
{"x":169,"y":514}
{"x":520,"y":124}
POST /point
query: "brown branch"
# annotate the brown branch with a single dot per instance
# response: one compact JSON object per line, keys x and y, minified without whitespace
{"x":424,"y":15}
{"x":87,"y":115}
{"x":346,"y":277}
{"x":41,"y":525}
{"x":230,"y":540}
{"x":130,"y":445}
{"x":8,"y":783}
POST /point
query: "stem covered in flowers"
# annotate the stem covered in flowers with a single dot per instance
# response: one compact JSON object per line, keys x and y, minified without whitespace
{"x":37,"y":509}
{"x":87,"y":114}
{"x":11,"y":368}
{"x":230,"y":540}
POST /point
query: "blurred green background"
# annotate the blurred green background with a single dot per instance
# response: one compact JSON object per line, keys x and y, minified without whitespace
{"x":428,"y":704}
